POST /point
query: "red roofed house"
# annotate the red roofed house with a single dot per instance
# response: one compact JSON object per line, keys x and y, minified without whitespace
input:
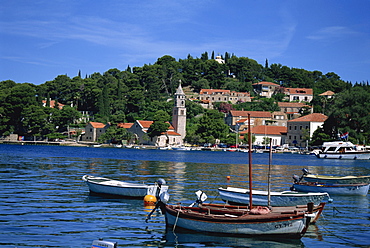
{"x":93,"y":130}
{"x":52,"y":104}
{"x":169,"y":138}
{"x":276,"y":133}
{"x":236,"y":117}
{"x":328,"y":94}
{"x":305,"y":124}
{"x":223,"y":96}
{"x":299,"y":94}
{"x":257,"y":117}
{"x":265,"y":89}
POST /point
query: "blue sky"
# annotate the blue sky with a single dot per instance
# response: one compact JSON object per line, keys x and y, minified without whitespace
{"x":40,"y":40}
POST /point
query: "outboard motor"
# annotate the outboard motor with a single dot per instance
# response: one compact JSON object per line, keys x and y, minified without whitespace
{"x":296,"y":178}
{"x":161,"y":182}
{"x":201,"y":197}
{"x":305,"y":172}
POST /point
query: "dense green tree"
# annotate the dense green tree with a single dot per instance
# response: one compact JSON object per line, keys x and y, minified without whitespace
{"x":113,"y":135}
{"x":160,"y":124}
{"x":212,"y":126}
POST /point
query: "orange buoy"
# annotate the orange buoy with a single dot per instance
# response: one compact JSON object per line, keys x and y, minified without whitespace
{"x":150,"y":200}
{"x":228,"y":178}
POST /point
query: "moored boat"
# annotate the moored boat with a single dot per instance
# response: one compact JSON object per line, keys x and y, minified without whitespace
{"x":342,"y":150}
{"x":240,"y":196}
{"x":285,"y":222}
{"x":102,"y":185}
{"x":336,"y":179}
{"x":360,"y":189}
{"x":289,"y":222}
{"x":181,"y":148}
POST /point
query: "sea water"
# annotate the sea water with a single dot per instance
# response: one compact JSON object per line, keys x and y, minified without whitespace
{"x":45,"y":203}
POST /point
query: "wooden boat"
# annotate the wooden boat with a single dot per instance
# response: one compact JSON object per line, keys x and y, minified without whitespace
{"x":102,"y":185}
{"x":342,"y":150}
{"x":226,"y":219}
{"x":289,"y":222}
{"x":360,"y":189}
{"x":240,"y":196}
{"x":336,"y":179}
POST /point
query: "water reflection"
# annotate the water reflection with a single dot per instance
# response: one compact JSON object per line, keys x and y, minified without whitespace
{"x":185,"y":238}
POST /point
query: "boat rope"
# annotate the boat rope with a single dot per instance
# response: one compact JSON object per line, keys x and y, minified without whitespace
{"x":177,"y":217}
{"x":323,"y":226}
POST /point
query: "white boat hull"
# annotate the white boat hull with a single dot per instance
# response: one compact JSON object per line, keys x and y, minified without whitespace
{"x":260,"y":198}
{"x":101,"y":185}
{"x":347,"y":156}
{"x":335,"y":189}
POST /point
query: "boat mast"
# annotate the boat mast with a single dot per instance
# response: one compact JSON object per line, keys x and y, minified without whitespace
{"x":269,"y":176}
{"x":250,"y":161}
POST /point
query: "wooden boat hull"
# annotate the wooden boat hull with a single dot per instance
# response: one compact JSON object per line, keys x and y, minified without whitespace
{"x":219,"y":218}
{"x":101,"y":185}
{"x":237,"y":222}
{"x":333,"y":189}
{"x":286,"y":198}
{"x":336,"y":179}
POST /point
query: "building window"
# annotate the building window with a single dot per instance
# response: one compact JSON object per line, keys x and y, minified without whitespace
{"x":295,"y":127}
{"x":300,"y":127}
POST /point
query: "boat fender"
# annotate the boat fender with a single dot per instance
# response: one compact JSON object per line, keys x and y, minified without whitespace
{"x":150,"y":200}
{"x":103,"y":244}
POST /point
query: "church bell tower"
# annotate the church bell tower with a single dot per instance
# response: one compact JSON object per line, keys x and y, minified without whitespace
{"x":179,"y":112}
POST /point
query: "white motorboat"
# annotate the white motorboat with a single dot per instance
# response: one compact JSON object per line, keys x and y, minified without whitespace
{"x":342,"y":150}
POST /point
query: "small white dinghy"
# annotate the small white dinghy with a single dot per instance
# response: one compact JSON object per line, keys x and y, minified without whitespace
{"x":102,"y":185}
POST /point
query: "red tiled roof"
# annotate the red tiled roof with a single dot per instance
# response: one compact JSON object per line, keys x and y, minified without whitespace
{"x":327,"y":93}
{"x":270,"y":130}
{"x":255,"y":114}
{"x":315,"y":117}
{"x":303,"y":91}
{"x":125,"y":125}
{"x":291,"y":104}
{"x":97,"y":124}
{"x":173,"y":133}
{"x":211,"y":91}
{"x":266,"y":83}
{"x":52,"y":104}
{"x":146,"y":124}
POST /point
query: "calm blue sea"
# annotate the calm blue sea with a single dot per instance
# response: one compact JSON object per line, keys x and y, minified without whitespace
{"x":44,"y":202}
